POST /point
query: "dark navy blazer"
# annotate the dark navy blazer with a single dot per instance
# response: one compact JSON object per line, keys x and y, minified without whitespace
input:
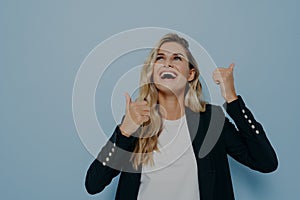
{"x":213,"y":137}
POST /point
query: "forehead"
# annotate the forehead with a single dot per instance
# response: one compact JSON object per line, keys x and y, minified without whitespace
{"x":171,"y":48}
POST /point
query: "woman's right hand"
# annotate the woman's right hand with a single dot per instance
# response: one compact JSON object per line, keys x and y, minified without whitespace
{"x":136,"y":114}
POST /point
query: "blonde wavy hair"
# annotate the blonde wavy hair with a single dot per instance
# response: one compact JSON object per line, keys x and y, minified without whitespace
{"x":149,"y":132}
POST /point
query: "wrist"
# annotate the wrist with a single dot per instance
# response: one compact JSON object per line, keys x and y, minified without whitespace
{"x":123,"y":132}
{"x":231,"y":98}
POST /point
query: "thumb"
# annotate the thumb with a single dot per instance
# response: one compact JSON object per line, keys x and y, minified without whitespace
{"x":128,"y":100}
{"x":231,"y":66}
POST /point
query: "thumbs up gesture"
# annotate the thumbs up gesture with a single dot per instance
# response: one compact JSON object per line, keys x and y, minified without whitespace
{"x":136,"y":114}
{"x":224,"y":78}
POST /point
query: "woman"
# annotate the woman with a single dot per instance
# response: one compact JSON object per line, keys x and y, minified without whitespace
{"x":157,"y":147}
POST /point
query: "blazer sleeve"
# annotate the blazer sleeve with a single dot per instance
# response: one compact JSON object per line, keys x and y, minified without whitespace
{"x":248,"y":144}
{"x":113,"y":157}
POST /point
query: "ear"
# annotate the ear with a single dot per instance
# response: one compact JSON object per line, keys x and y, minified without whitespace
{"x":191,"y":75}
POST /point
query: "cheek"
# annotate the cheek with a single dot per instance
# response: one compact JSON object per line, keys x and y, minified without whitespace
{"x":155,"y":72}
{"x":184,"y":70}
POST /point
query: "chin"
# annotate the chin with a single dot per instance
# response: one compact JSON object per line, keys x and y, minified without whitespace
{"x":170,"y":88}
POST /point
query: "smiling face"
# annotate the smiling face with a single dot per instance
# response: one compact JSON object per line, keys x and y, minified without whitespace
{"x":171,"y":69}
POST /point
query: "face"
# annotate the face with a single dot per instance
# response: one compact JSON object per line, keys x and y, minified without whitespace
{"x":171,"y":69}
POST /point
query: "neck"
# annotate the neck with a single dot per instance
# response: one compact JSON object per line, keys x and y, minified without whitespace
{"x":171,"y":106}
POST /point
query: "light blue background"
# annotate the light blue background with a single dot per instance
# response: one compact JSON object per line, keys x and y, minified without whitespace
{"x":43,"y":44}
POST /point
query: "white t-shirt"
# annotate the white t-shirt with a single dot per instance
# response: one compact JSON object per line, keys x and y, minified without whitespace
{"x":174,"y":174}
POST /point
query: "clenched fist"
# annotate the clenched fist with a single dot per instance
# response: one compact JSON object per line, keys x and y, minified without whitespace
{"x":224,"y":78}
{"x":136,"y":114}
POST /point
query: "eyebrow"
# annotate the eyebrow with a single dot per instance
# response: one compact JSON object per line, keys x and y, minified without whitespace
{"x":161,"y":54}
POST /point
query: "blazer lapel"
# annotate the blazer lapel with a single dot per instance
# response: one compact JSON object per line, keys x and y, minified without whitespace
{"x":196,"y":128}
{"x":198,"y":124}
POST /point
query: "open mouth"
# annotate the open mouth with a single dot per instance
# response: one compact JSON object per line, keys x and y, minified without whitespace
{"x":168,"y":75}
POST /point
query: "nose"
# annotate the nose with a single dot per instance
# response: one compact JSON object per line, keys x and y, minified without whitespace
{"x":168,"y":63}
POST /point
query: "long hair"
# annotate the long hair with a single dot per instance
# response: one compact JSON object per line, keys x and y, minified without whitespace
{"x":149,"y":132}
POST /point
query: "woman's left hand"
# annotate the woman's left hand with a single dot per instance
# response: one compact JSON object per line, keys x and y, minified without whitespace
{"x":224,"y":78}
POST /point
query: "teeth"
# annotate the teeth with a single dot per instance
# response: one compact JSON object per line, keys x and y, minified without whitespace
{"x":168,"y":75}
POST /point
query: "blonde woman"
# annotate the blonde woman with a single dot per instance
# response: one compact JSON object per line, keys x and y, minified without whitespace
{"x":157,"y":147}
